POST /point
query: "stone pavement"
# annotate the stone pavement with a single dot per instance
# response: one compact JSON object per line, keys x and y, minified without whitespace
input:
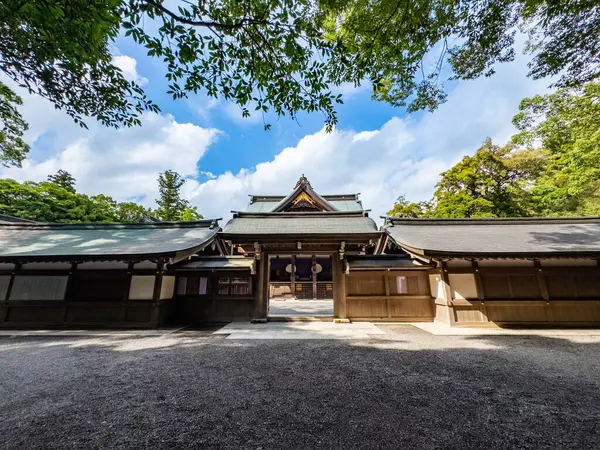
{"x":299,"y":330}
{"x":440,"y":329}
{"x":301,"y":308}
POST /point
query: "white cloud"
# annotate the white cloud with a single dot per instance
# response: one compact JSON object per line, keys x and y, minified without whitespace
{"x":123,"y":163}
{"x":404,"y":156}
{"x":128,"y":66}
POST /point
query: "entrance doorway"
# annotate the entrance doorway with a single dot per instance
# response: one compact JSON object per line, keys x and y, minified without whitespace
{"x":300,"y":285}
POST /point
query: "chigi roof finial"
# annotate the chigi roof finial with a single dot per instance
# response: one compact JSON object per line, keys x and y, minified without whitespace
{"x":302,"y":180}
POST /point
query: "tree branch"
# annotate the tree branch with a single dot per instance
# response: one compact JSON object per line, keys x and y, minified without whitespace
{"x":204,"y":23}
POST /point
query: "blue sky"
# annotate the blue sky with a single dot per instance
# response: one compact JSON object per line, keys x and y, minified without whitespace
{"x":376,"y":149}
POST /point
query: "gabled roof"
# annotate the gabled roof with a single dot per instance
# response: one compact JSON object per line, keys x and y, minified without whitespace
{"x":524,"y":237}
{"x":99,"y":241}
{"x":304,"y":191}
{"x":299,"y":224}
{"x":279,"y":203}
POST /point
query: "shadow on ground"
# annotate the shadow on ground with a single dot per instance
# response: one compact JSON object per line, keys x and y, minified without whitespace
{"x":402,"y":389}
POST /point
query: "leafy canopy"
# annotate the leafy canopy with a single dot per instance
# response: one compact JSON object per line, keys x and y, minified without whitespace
{"x":56,"y":200}
{"x":550,"y":168}
{"x":567,"y":124}
{"x":284,"y":56}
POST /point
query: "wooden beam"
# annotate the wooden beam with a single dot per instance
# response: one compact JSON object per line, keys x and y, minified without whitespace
{"x":314,"y":276}
{"x":154,"y":314}
{"x":293,"y":277}
{"x":261,"y":299}
{"x":339,"y":287}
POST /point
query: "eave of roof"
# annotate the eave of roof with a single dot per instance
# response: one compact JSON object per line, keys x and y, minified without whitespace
{"x":383,"y":262}
{"x":215,"y":263}
{"x":74,"y":247}
{"x":590,"y":247}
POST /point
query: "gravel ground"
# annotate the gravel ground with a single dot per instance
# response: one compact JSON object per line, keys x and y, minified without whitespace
{"x":403,"y":389}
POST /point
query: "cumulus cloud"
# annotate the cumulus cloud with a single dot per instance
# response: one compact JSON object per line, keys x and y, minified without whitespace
{"x":123,"y":163}
{"x":128,"y":66}
{"x":403,"y":157}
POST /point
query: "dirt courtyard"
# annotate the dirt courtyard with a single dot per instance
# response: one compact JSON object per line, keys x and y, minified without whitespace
{"x":401,"y":389}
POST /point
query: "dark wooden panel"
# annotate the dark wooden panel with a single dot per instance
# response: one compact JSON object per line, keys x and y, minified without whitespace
{"x":196,"y":310}
{"x":141,"y":313}
{"x":38,"y":314}
{"x":104,"y":315}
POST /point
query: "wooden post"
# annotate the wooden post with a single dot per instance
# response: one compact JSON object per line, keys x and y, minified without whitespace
{"x":314,"y":276}
{"x":479,"y":286}
{"x":126,"y":289}
{"x":11,"y":281}
{"x":293,"y":277}
{"x":339,"y":288}
{"x":447,"y":292}
{"x":261,"y":298}
{"x":155,"y":312}
{"x":388,"y":300}
{"x":543,"y":289}
{"x":68,"y":292}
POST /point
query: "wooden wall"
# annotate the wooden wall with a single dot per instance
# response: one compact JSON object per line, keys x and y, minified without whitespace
{"x":530,"y":292}
{"x":205,"y":297}
{"x":107,"y":294}
{"x":388,"y":296}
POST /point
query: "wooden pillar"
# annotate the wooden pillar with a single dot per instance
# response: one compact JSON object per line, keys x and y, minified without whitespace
{"x":11,"y":281}
{"x":126,"y":289}
{"x":388,"y":299}
{"x":155,"y":312}
{"x":261,"y":297}
{"x":479,"y":286}
{"x":68,"y":292}
{"x":293,"y":277}
{"x":447,"y":292}
{"x":339,"y":288}
{"x":543,"y":289}
{"x":314,"y":276}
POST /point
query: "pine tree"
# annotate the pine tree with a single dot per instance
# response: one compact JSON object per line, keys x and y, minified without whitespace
{"x":63,"y":179}
{"x":170,"y":204}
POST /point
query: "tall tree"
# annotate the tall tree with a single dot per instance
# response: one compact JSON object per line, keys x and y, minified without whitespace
{"x":171,"y":206}
{"x":63,"y":179}
{"x":282,"y":56}
{"x":404,"y":208}
{"x":483,"y":185}
{"x":567,"y":124}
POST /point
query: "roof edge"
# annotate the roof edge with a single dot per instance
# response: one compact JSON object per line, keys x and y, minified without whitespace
{"x":487,"y":221}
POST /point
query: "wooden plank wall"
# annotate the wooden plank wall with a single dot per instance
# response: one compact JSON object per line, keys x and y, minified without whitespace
{"x":375,"y":296}
{"x":564,"y":295}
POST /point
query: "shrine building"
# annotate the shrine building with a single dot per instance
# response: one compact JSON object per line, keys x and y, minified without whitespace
{"x":301,"y":246}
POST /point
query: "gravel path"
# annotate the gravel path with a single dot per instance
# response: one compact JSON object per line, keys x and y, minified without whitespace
{"x":402,"y":389}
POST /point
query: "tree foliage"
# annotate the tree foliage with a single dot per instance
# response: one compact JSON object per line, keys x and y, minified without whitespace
{"x":56,"y":200}
{"x":551,"y":167}
{"x":63,"y":179}
{"x":59,"y":49}
{"x":171,"y":206}
{"x":284,"y":56}
{"x":494,"y":182}
{"x":567,"y":124}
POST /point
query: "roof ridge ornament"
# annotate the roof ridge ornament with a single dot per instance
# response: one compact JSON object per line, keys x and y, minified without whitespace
{"x":302,"y":181}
